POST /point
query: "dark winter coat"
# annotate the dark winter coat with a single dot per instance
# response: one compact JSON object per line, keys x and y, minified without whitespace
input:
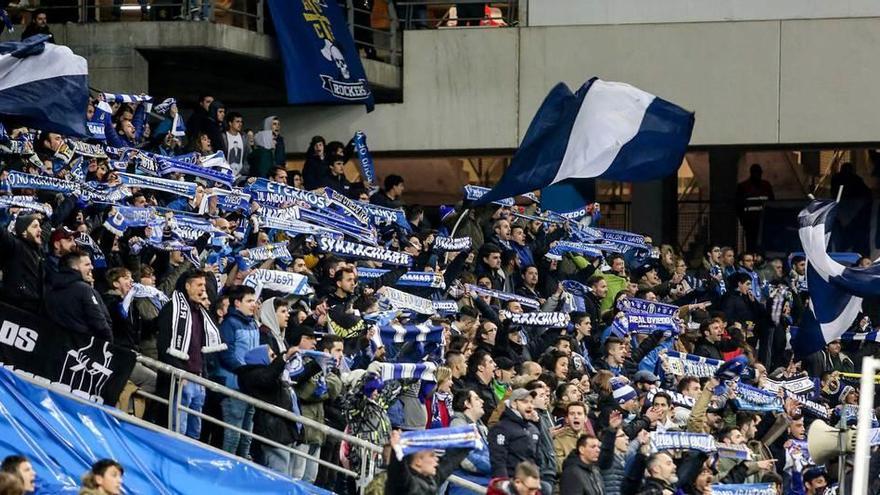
{"x":74,"y":305}
{"x":23,"y":266}
{"x":512,"y":441}
{"x":580,"y":478}
{"x":262,"y":381}
{"x":403,"y":480}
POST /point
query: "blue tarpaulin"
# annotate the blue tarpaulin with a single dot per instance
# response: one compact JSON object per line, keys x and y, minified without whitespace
{"x":63,"y":436}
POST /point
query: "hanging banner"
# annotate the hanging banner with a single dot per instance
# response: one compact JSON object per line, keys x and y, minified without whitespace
{"x":364,"y":158}
{"x":82,"y":364}
{"x":321,"y":63}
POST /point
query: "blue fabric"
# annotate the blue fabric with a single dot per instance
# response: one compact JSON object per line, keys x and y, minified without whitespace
{"x":257,"y":356}
{"x":62,"y":437}
{"x":321,"y":63}
{"x":839,"y":288}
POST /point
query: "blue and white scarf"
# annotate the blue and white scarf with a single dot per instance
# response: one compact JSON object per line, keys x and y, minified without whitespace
{"x":442,"y":243}
{"x":814,"y":408}
{"x":275,"y":194}
{"x":473,"y":193}
{"x":296,"y":227}
{"x":623,"y":237}
{"x":255,"y":255}
{"x":562,"y":247}
{"x":347,"y":206}
{"x":445,"y":307}
{"x":352,"y":250}
{"x":422,"y":332}
{"x":796,"y":385}
{"x":749,"y":398}
{"x":86,"y":242}
{"x":276,"y":280}
{"x":168,"y":166}
{"x":650,"y":323}
{"x":398,"y":299}
{"x":504,"y":296}
{"x":578,"y":292}
{"x":180,"y":188}
{"x":381,"y":216}
{"x":744,"y":489}
{"x":382,"y":318}
{"x":684,"y":364}
{"x":459,"y":437}
{"x":227,"y":201}
{"x":128,"y":217}
{"x":365,"y":160}
{"x":21,"y":180}
{"x":29,"y":203}
{"x":677,"y":398}
{"x":538,"y":319}
{"x":86,"y":149}
{"x":641,"y":306}
{"x":679,"y":440}
{"x":339,"y":223}
{"x":140,"y":291}
{"x":124,"y":98}
{"x":410,"y":279}
{"x":404,"y":371}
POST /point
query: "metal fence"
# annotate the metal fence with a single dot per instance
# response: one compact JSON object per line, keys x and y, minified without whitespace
{"x":362,"y":476}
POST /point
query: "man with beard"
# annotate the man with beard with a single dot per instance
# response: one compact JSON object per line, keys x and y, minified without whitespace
{"x":23,"y":264}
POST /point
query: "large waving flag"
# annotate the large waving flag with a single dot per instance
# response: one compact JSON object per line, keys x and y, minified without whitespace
{"x":836,"y":291}
{"x":44,"y":86}
{"x":605,"y":130}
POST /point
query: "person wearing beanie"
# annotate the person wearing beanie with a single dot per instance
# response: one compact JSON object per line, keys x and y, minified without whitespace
{"x":23,"y":264}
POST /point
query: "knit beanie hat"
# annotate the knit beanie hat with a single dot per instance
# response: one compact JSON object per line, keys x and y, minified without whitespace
{"x":22,"y":222}
{"x":622,"y":391}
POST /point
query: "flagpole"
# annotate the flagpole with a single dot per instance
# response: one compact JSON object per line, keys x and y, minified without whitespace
{"x":457,"y":222}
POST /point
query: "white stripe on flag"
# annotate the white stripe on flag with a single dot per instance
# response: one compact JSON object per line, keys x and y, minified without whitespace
{"x":55,"y":61}
{"x":595,"y":138}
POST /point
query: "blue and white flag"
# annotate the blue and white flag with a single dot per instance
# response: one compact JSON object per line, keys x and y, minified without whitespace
{"x":503,"y":296}
{"x":836,"y":291}
{"x":44,"y":86}
{"x":422,"y":332}
{"x":365,"y":160}
{"x":442,"y":243}
{"x":624,"y":237}
{"x":348,"y":250}
{"x":433,"y":280}
{"x":608,"y":130}
{"x":458,"y":437}
{"x":744,"y":489}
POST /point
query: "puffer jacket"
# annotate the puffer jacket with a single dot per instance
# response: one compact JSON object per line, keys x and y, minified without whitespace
{"x":240,"y":334}
{"x":580,"y":478}
{"x":262,"y":380}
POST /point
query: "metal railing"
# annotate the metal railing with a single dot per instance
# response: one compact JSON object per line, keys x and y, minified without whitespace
{"x":376,"y":34}
{"x":444,"y":14}
{"x":369,"y":463}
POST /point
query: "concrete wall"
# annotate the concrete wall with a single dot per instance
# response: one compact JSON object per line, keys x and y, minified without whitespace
{"x":750,"y":83}
{"x":579,"y":12}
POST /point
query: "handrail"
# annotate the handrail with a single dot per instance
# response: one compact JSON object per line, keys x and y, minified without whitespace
{"x":216,"y":387}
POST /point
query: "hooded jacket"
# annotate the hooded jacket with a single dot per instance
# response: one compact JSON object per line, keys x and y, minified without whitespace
{"x":262,"y":157}
{"x":73,"y":304}
{"x":280,"y":155}
{"x":261,"y":379}
{"x":271,"y":333}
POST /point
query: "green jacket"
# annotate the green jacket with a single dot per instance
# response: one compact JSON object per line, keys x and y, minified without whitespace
{"x":313,"y":407}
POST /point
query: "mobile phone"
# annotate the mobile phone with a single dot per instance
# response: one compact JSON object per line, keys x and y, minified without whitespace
{"x":559,"y":422}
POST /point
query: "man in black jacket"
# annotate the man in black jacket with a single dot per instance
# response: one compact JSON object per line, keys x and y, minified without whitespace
{"x":260,"y":378}
{"x":580,"y":473}
{"x":126,"y":324}
{"x":515,"y":438}
{"x":23,"y":264}
{"x":73,"y":304}
{"x":420,"y":473}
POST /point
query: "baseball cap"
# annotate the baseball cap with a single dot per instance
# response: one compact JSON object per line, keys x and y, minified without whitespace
{"x":520,"y":394}
{"x":645,"y":376}
{"x":61,"y":233}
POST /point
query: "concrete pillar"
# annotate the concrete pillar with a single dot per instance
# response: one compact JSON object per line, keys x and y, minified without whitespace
{"x":723,"y":223}
{"x":655,"y":209}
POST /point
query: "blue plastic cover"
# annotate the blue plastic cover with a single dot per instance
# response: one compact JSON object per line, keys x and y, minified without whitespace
{"x":62,"y":437}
